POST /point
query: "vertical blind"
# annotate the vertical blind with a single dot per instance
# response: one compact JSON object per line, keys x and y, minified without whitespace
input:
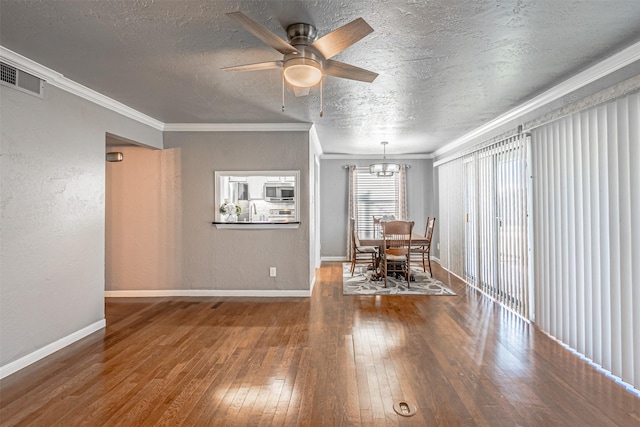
{"x":586,"y":196}
{"x":484,"y":223}
{"x":496,"y":222}
{"x":451,"y":216}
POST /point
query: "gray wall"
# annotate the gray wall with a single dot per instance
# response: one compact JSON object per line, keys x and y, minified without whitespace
{"x":334,"y":183}
{"x":52,"y":239}
{"x":230,"y":259}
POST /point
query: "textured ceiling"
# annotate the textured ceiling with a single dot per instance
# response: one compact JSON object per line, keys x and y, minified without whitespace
{"x":445,"y":67}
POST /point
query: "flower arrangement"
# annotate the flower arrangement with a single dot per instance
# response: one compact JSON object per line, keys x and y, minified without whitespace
{"x":230,"y":210}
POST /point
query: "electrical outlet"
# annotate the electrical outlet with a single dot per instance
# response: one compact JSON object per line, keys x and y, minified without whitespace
{"x":438,"y":246}
{"x":272,"y":272}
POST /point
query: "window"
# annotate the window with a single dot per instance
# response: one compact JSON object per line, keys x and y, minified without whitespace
{"x":375,"y":196}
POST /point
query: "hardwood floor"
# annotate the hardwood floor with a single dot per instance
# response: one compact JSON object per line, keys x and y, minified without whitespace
{"x":326,"y":360}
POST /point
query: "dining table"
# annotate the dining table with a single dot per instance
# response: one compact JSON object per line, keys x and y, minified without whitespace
{"x":374,"y":238}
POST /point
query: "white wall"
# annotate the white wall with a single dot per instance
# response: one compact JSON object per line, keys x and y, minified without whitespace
{"x":314,"y":205}
{"x":334,"y":192}
{"x":52,"y":209}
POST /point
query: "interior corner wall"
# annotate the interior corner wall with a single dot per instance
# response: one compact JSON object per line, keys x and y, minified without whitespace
{"x":52,"y":206}
{"x":314,"y":210}
{"x":334,"y":192}
{"x":232,"y":259}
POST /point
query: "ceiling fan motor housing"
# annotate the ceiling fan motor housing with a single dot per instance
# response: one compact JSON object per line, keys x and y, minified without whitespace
{"x":304,"y":34}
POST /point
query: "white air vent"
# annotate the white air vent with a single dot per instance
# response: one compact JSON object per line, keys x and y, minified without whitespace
{"x":20,"y":80}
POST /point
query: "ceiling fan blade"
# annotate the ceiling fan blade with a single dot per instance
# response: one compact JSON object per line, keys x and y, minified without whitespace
{"x":339,"y":39}
{"x":300,"y":91}
{"x":346,"y":71}
{"x":262,"y":33}
{"x":255,"y":67}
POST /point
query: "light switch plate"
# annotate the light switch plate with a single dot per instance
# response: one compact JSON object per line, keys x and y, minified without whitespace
{"x":272,"y":272}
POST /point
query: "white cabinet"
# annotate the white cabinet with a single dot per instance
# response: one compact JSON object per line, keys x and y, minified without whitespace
{"x":256,"y":185}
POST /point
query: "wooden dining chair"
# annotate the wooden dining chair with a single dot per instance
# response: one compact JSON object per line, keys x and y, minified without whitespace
{"x":423,"y":252}
{"x":361,"y":254}
{"x":395,"y":254}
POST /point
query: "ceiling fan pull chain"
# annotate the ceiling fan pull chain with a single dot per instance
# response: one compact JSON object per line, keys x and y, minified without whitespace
{"x":321,"y":112}
{"x":283,"y":93}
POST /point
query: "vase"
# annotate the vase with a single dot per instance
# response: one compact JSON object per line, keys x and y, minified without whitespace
{"x":232,"y":218}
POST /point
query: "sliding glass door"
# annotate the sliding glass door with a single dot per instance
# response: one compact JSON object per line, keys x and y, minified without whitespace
{"x":496,"y":230}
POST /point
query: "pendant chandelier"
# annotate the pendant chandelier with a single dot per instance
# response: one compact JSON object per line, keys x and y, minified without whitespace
{"x":384,"y":168}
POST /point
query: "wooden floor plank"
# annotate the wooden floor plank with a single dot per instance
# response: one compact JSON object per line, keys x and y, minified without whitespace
{"x":325,"y":360}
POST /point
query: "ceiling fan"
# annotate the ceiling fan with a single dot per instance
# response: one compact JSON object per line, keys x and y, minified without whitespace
{"x":306,"y":60}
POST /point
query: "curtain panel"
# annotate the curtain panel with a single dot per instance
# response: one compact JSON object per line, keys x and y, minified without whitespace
{"x":586,"y":197}
{"x":402,"y":193}
{"x":352,"y":207}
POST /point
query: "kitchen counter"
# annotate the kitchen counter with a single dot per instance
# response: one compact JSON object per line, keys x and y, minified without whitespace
{"x":256,"y":225}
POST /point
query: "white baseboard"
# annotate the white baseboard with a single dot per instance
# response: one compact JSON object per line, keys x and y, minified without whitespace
{"x":208,"y":293}
{"x":334,"y":258}
{"x":313,"y":284}
{"x":27,"y":360}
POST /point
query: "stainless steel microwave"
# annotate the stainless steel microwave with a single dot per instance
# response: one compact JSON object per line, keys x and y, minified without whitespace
{"x":279,"y":192}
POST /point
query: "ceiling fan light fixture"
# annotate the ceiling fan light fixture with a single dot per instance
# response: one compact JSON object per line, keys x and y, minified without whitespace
{"x":302,"y":72}
{"x":384,"y":168}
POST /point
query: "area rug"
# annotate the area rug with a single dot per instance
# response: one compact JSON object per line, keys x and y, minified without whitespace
{"x":364,"y":283}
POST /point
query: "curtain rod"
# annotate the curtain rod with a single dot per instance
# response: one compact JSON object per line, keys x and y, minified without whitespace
{"x":364,"y":167}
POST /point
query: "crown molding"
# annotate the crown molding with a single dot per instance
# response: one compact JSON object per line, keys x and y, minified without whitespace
{"x":376,"y":157}
{"x":58,"y":80}
{"x":598,"y":71}
{"x":237,"y":127}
